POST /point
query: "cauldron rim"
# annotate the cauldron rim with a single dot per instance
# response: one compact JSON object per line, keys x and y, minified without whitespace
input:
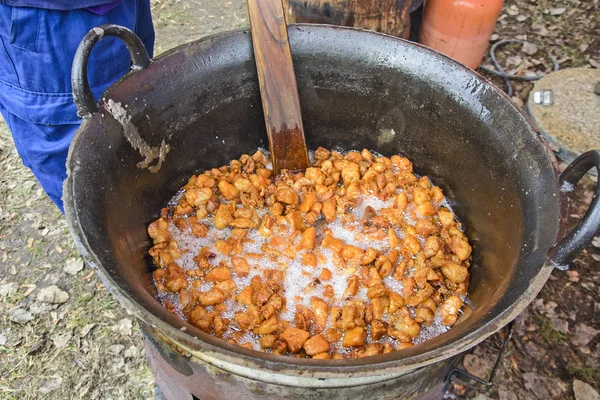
{"x":212,"y":349}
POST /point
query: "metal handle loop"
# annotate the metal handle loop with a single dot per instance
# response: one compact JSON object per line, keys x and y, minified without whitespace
{"x":82,"y":94}
{"x":565,"y":251}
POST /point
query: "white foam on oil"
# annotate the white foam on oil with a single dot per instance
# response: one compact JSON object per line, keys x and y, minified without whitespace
{"x":431,"y":331}
{"x":375,"y":202}
{"x":393,"y":284}
{"x":297,"y":279}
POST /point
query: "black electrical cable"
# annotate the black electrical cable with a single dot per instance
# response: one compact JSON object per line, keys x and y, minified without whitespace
{"x":501,"y":73}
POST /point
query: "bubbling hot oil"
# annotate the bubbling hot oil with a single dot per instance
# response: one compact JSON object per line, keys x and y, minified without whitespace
{"x":298,"y":283}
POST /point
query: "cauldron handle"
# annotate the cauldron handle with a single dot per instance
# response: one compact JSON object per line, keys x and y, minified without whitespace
{"x":565,"y":251}
{"x":82,"y":94}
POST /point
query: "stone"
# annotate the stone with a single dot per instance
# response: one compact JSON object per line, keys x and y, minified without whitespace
{"x":547,"y":308}
{"x":557,"y":11}
{"x":50,"y":384}
{"x":514,"y":60}
{"x":583,"y":335}
{"x":73,"y":266}
{"x":53,"y":295}
{"x":559,"y":325}
{"x":86,"y":329}
{"x":534,"y":351}
{"x":53,"y":278}
{"x":116,"y":349}
{"x":481,"y":396}
{"x":540,"y":29}
{"x":131,"y":352}
{"x":61,"y":340}
{"x":584,"y":391}
{"x":529,"y":48}
{"x":512,"y":10}
{"x":477,"y":366}
{"x":544,"y":388}
{"x":123,"y":327}
{"x":20,"y":316}
{"x":593,"y":360}
{"x":8,"y":289}
{"x":37,"y":308}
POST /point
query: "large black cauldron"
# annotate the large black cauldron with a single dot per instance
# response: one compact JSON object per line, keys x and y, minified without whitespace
{"x":358,"y":90}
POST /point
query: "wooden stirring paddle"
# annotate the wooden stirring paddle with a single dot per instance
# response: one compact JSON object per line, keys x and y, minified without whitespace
{"x":278,"y":88}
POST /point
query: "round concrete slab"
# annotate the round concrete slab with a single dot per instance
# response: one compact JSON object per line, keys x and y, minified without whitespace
{"x":566,"y":109}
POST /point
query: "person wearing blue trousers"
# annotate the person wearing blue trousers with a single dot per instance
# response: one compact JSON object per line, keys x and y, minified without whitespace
{"x":38,"y":40}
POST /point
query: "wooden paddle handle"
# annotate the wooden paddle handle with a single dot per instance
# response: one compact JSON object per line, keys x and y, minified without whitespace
{"x":278,"y":88}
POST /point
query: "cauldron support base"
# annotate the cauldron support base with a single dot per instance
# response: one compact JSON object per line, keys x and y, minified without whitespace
{"x":179,"y":378}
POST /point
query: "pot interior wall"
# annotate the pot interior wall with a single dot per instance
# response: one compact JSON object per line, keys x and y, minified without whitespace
{"x":358,"y":90}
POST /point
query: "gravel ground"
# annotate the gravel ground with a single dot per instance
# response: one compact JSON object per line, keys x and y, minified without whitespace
{"x":62,"y":336}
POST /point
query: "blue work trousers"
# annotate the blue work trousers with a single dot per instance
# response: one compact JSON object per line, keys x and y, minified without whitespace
{"x":37,"y":47}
